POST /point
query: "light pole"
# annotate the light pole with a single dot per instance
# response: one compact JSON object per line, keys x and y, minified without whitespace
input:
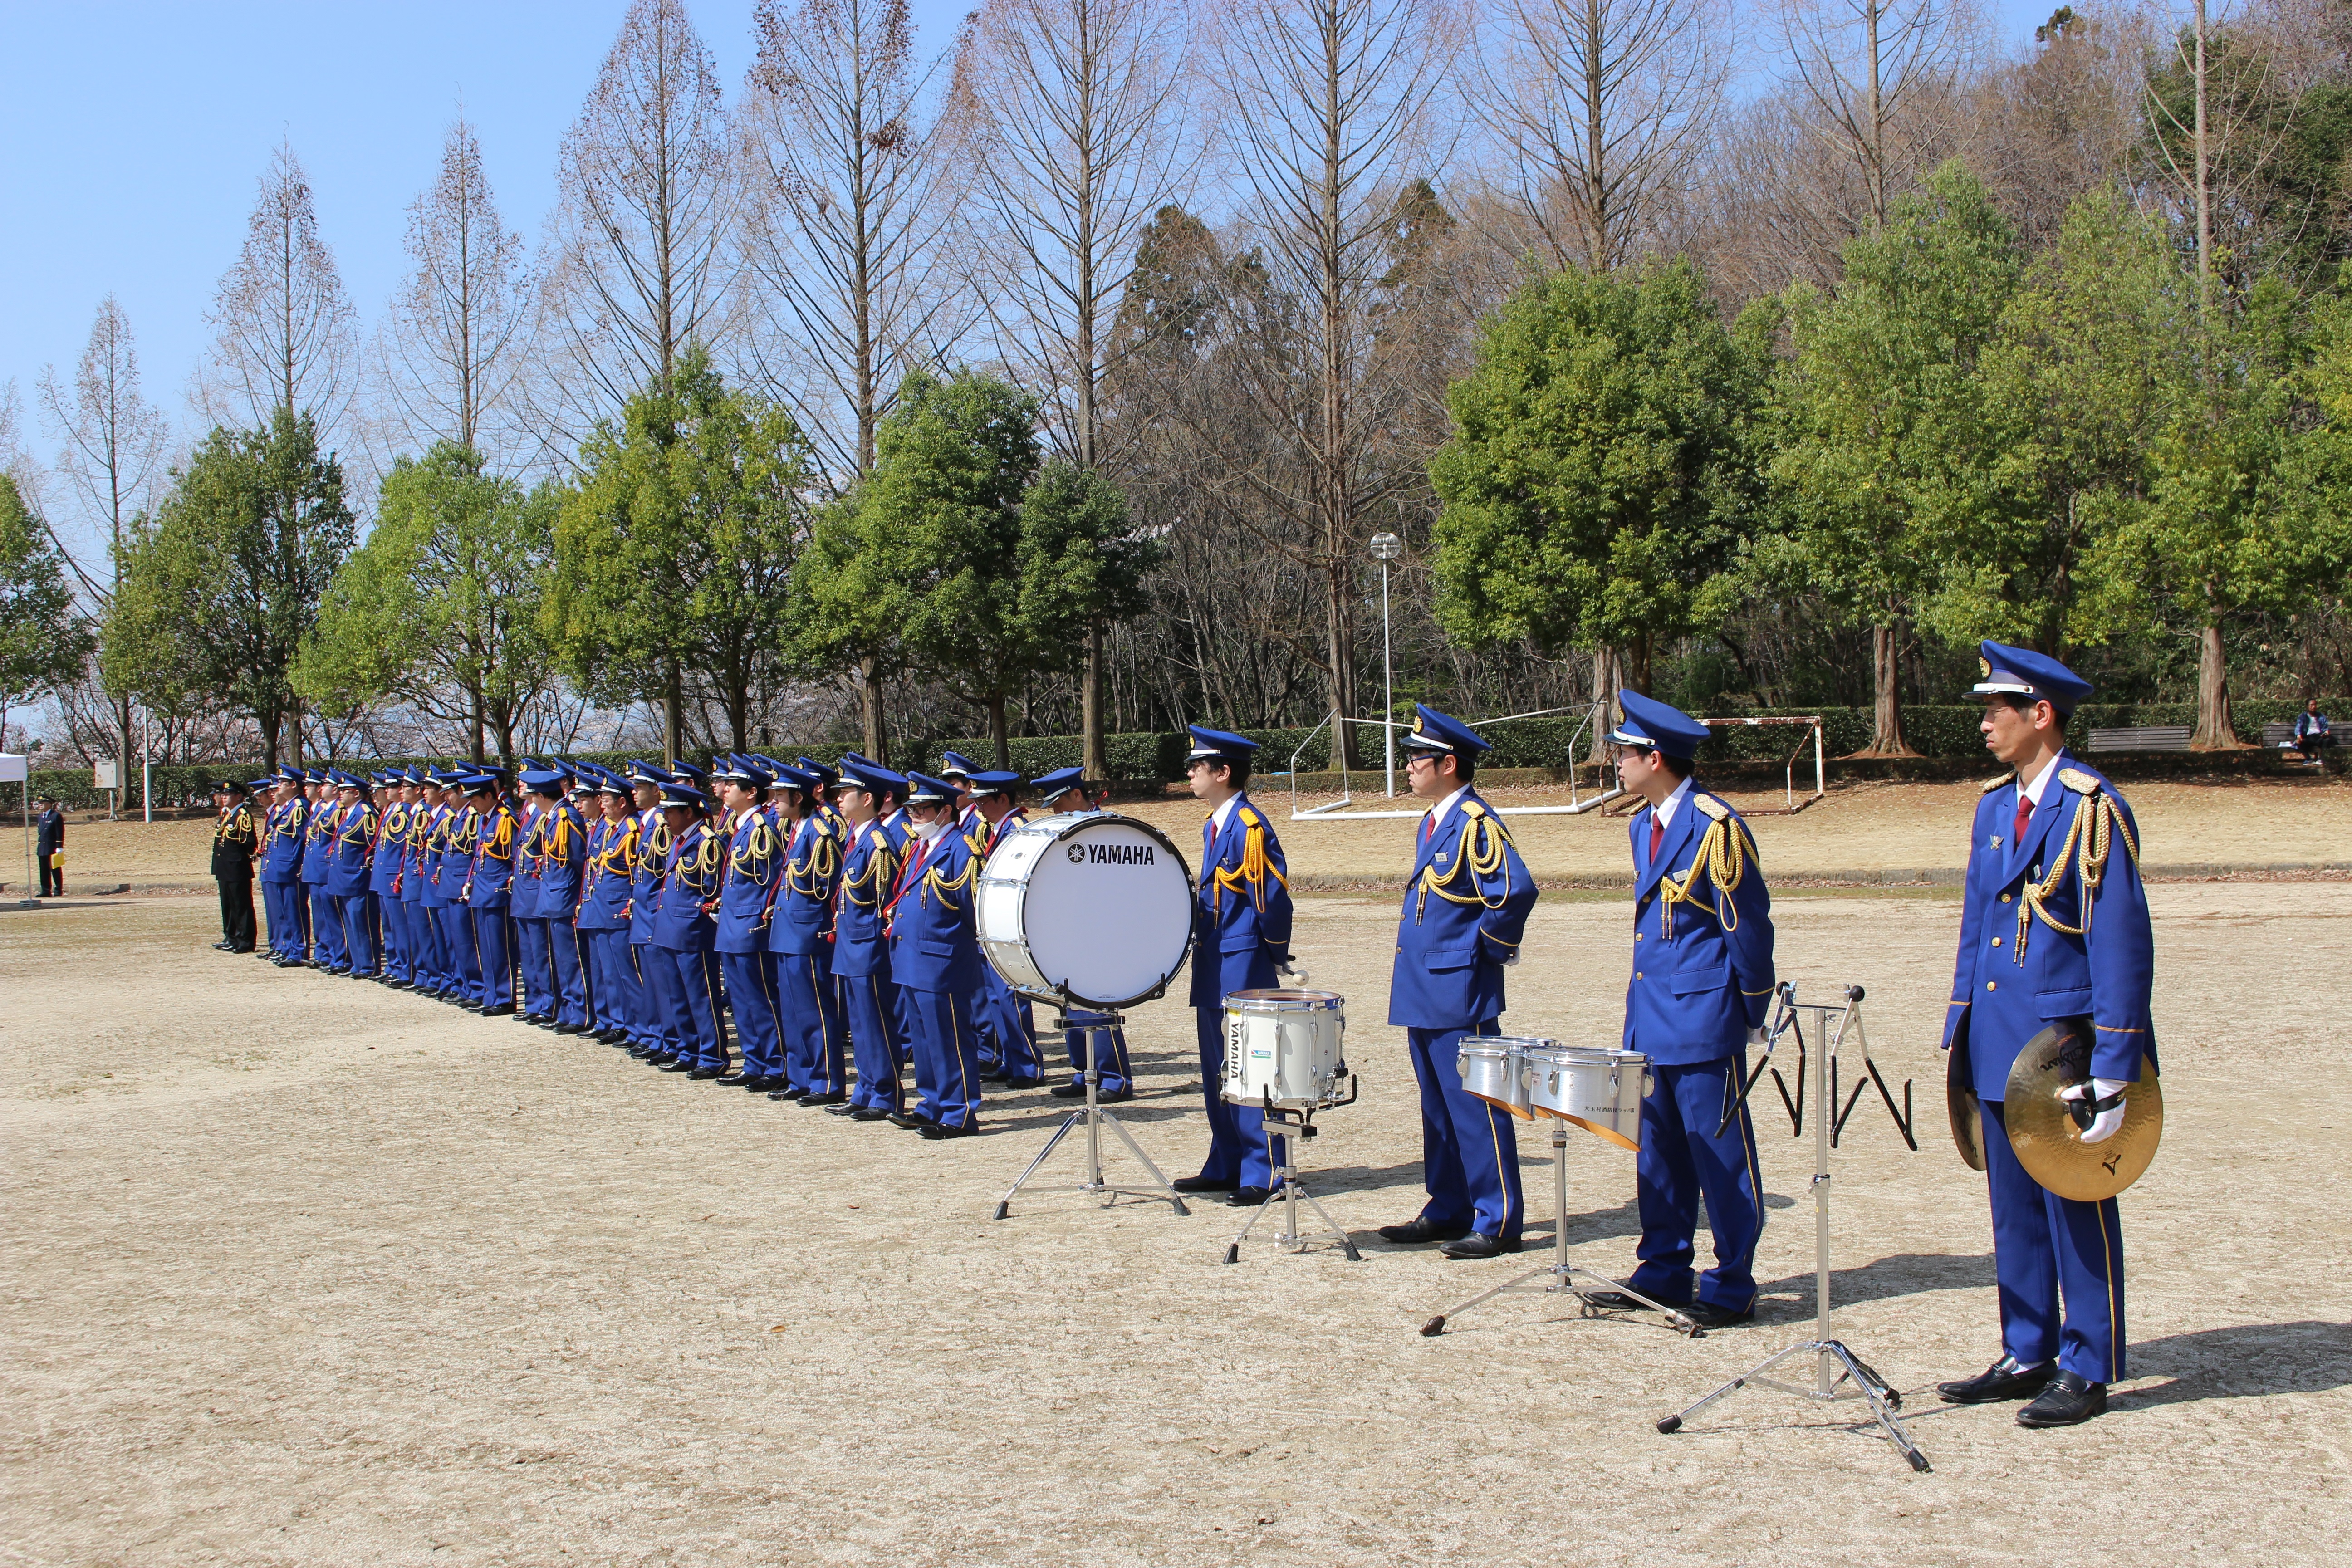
{"x":1385,"y":548}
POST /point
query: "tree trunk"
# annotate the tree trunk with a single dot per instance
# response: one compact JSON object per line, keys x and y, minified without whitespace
{"x":269,"y":740}
{"x":1886,"y":715}
{"x":2216,"y":729}
{"x":999,"y":732}
{"x":1093,"y":756}
{"x":673,"y":713}
{"x":1635,"y":658}
{"x":1605,"y":681}
{"x":1337,"y":648}
{"x":477,"y":727}
{"x":869,"y":705}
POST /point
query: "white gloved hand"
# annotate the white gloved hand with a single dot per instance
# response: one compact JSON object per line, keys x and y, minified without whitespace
{"x":1759,"y":1036}
{"x":2103,"y":1126}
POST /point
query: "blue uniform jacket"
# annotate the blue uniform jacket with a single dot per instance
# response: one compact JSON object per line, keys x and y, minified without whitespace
{"x":934,"y":945}
{"x":646,"y":880}
{"x":2054,"y":926}
{"x":1702,"y":936}
{"x":490,"y":868}
{"x":352,"y":855}
{"x":563,"y":855}
{"x":689,"y":882}
{"x":1242,"y":903}
{"x":317,"y":841}
{"x":522,"y":888}
{"x":802,"y":918}
{"x":390,"y":849}
{"x":869,"y":870}
{"x":608,"y":874}
{"x":1466,"y":909}
{"x":281,"y":841}
{"x":755,"y":866}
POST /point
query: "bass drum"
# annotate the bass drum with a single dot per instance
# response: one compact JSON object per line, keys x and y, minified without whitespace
{"x":1088,"y":905}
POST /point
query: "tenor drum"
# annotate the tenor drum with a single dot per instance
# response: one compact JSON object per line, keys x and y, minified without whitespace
{"x":1599,"y":1090}
{"x":1282,"y":1047}
{"x":1088,"y":905}
{"x":1491,"y":1068}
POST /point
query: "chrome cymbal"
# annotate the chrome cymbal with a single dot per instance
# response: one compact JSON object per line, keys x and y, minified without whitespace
{"x":2051,"y":1147}
{"x":1967,"y":1114}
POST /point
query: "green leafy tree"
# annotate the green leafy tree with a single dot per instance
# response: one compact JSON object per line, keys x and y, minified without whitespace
{"x":1886,"y":441}
{"x":1081,"y":568}
{"x":1599,"y":477}
{"x":674,"y":554}
{"x":441,"y":607}
{"x":220,"y":590}
{"x":42,"y":642}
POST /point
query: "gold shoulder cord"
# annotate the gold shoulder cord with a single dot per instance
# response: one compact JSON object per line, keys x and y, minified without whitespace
{"x":943,"y":886}
{"x":2087,"y":848}
{"x":877,"y":876}
{"x":1256,"y":867}
{"x":1723,"y":852}
{"x":812,"y":877}
{"x":751,"y":860}
{"x":1483,"y":850}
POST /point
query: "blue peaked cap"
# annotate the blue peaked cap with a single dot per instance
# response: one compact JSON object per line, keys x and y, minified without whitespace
{"x":1218,"y":745}
{"x":953,"y":765}
{"x":2022,"y":672}
{"x":873,"y":778}
{"x":1660,"y":726}
{"x":1441,"y":733}
{"x":925,"y":788}
{"x":996,"y":783}
{"x":682,"y":769}
{"x":685,"y":795}
{"x":1060,"y":782}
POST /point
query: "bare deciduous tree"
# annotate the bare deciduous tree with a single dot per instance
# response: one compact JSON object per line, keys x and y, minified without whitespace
{"x":284,"y":328}
{"x":451,"y":348}
{"x":640,"y":240}
{"x":1862,"y":62}
{"x":113,"y":447}
{"x":1604,"y":109}
{"x":1330,"y":104}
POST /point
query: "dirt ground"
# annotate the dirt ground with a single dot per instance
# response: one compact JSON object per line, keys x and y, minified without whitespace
{"x":304,"y":1272}
{"x":1859,"y":832}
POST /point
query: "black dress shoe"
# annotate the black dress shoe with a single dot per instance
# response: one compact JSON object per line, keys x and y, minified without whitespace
{"x":787,"y":1093}
{"x":503,"y":1010}
{"x":1122,"y":1097}
{"x":704,"y":1075}
{"x":1707,"y":1315}
{"x":2068,"y":1401}
{"x":908,"y":1118}
{"x":870,"y":1113}
{"x":1418,"y":1232}
{"x":220,"y":947}
{"x":571,"y":1029}
{"x":836,"y":1098}
{"x":940,"y":1130}
{"x":844,"y":1109}
{"x":1615,"y":1300}
{"x":611,"y":1037}
{"x":240,"y":950}
{"x":1203,"y":1184}
{"x":1478,"y":1243}
{"x":678,"y":1064}
{"x":1068,"y":1091}
{"x":2004,"y":1379}
{"x":1247,"y":1197}
{"x":730,"y":1080}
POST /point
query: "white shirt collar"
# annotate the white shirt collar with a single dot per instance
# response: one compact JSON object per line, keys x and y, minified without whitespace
{"x":1665,"y":810}
{"x":1225,"y":813}
{"x":1437,"y":813}
{"x":2041,"y":785}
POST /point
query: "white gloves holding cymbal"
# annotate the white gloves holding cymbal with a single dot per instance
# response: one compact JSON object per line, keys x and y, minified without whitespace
{"x":2103,"y":1126}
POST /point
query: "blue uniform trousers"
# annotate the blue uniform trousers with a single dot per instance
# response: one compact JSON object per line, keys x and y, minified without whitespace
{"x":531,"y":951}
{"x":429,"y":965}
{"x":356,"y":914}
{"x":869,"y":1004}
{"x":1469,"y":1150}
{"x":902,"y":1010}
{"x":1237,"y":1141}
{"x":465,"y":958}
{"x":618,"y":990}
{"x":393,"y":914}
{"x":658,"y":968}
{"x":808,"y":1010}
{"x":751,"y":993}
{"x":947,"y":1058}
{"x":283,"y":900}
{"x":697,"y":1020}
{"x":564,"y":946}
{"x":2059,"y":1265}
{"x":1110,"y":1054}
{"x":326,"y":929}
{"x":1681,"y":1157}
{"x":1010,"y":1028}
{"x":493,"y":949}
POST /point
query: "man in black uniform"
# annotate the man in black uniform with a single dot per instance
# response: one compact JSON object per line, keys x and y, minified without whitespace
{"x":50,"y":849}
{"x":236,"y":837}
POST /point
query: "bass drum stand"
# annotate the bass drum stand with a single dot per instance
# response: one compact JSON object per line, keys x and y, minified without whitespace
{"x":1560,"y":1274}
{"x":1094,"y":1118}
{"x":1835,"y":1363}
{"x":1288,"y":1189}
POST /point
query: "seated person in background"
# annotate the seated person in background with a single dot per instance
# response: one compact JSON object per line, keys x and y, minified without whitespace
{"x":2311,"y":732}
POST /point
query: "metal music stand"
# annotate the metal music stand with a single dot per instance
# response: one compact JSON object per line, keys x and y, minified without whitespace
{"x":1296,"y":1123}
{"x":1095,"y":1118}
{"x":1835,"y":1363}
{"x":1560,"y":1274}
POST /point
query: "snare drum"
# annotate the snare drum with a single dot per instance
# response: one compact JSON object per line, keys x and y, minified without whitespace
{"x":1599,"y":1090}
{"x":1492,"y":1069}
{"x":1282,"y":1047}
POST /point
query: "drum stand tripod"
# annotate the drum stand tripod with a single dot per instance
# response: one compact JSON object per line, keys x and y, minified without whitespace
{"x":1560,"y":1274}
{"x":1834,"y":1363}
{"x":1287,"y":1190}
{"x":1095,"y":1118}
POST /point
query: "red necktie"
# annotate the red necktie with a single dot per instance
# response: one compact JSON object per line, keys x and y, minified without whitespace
{"x":1428,"y":825}
{"x":1657,"y":836}
{"x":2024,"y":814}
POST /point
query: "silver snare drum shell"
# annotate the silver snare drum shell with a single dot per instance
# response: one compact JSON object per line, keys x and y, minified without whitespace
{"x":1599,"y":1090}
{"x":1491,"y":1069}
{"x":1283,"y":1048}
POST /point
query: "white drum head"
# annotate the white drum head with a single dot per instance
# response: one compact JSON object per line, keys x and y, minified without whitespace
{"x":1106,"y":909}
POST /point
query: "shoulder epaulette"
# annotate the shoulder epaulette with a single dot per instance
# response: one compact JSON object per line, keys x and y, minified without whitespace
{"x":1992,"y":784}
{"x":1249,"y":817}
{"x":1473,"y":808}
{"x":1714,"y":809}
{"x":2077,"y":780}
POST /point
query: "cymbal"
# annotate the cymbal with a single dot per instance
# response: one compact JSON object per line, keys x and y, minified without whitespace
{"x":2051,"y":1147}
{"x":1967,"y":1114}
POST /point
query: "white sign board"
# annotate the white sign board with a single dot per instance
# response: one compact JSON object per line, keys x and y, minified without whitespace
{"x":102,"y":776}
{"x":12,"y":768}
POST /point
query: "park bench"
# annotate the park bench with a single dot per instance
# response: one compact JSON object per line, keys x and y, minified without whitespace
{"x":2277,"y":736}
{"x":2147,"y":738}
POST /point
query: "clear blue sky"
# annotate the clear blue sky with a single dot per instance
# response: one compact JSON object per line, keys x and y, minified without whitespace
{"x":131,"y":134}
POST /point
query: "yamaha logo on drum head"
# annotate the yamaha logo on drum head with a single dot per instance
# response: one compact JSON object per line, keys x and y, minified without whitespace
{"x":1112,"y":855}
